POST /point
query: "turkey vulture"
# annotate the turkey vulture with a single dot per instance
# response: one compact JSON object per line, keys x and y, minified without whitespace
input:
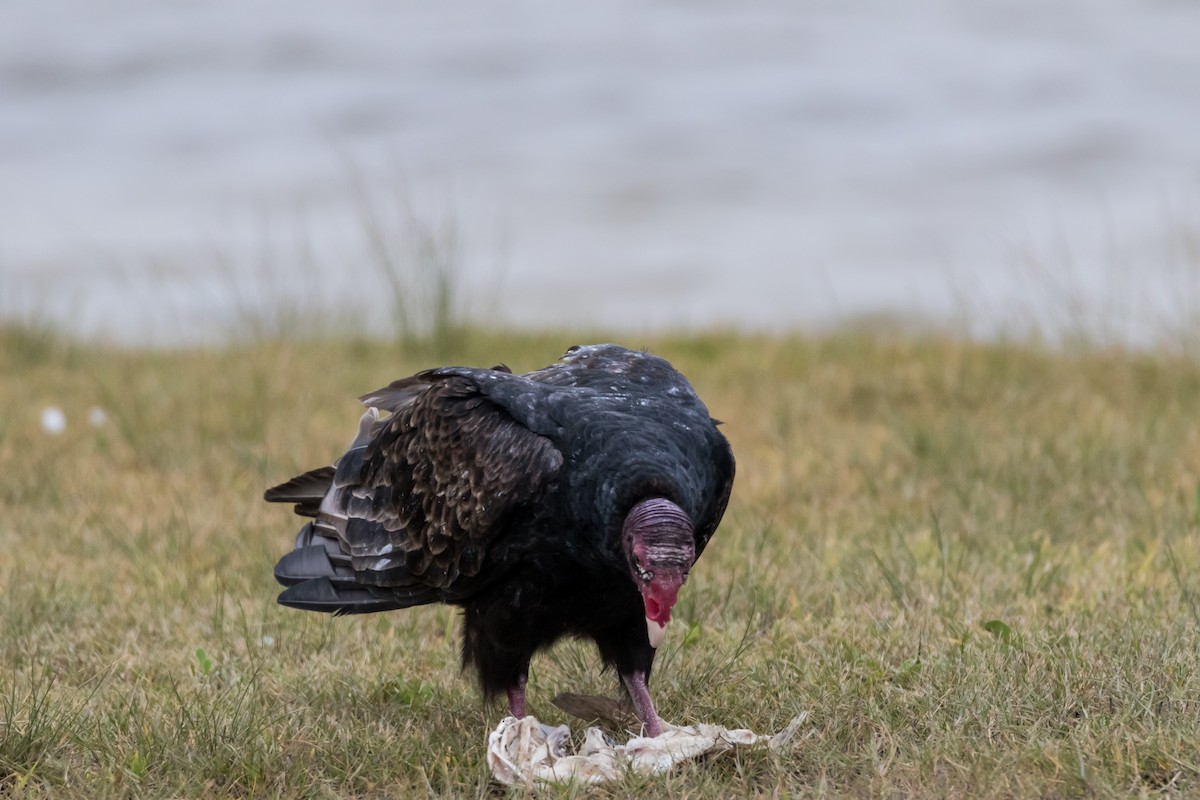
{"x":571,"y":500}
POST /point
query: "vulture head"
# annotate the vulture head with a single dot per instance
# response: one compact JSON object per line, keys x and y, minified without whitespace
{"x":660,"y":546}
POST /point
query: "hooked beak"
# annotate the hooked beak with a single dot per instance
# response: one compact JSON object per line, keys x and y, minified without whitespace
{"x":659,"y":596}
{"x":655,"y":632}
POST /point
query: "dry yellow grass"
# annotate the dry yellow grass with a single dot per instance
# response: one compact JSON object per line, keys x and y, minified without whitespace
{"x":974,"y":566}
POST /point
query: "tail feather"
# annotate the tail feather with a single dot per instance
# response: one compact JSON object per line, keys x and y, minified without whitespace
{"x":314,"y":556}
{"x":320,"y":594}
{"x":319,"y":532}
{"x":306,"y":491}
{"x":324,"y":594}
{"x":313,"y":562}
{"x":319,"y":576}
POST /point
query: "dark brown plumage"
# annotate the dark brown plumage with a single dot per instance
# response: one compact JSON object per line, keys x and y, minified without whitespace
{"x":571,"y":500}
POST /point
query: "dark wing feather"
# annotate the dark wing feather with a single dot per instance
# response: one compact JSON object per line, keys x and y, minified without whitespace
{"x":439,"y":480}
{"x":725,"y":467}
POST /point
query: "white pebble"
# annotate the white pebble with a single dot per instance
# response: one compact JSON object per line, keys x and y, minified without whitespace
{"x":54,"y":421}
{"x":97,"y":417}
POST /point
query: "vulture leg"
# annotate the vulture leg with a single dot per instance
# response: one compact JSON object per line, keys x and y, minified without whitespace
{"x":516,"y":698}
{"x":635,"y":682}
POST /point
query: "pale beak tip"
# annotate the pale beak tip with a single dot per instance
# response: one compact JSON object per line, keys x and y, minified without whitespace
{"x":656,"y":631}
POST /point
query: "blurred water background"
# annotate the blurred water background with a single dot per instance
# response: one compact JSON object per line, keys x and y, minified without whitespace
{"x":177,"y":172}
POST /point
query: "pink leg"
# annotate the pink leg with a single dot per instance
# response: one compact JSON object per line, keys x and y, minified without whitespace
{"x":636,"y":684}
{"x":516,"y":699}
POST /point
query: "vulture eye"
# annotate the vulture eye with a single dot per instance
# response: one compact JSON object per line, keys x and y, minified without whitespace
{"x":643,"y":573}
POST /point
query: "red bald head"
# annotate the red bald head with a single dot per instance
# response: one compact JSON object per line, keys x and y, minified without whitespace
{"x":660,"y":546}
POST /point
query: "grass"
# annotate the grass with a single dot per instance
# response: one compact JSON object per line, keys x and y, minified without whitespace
{"x":973,"y":565}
